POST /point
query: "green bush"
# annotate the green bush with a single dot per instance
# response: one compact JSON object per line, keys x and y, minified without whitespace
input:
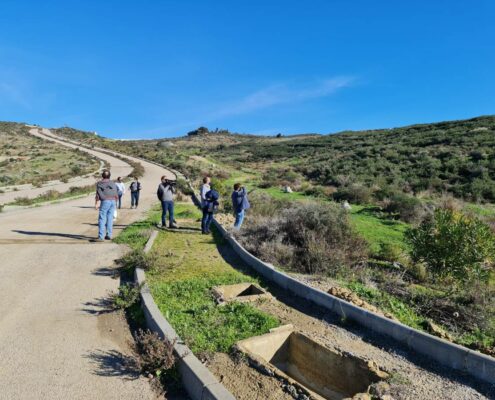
{"x":452,"y":244}
{"x":407,"y":208}
{"x":127,"y":296}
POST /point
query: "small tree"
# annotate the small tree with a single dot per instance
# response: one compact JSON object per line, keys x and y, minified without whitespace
{"x":452,"y":244}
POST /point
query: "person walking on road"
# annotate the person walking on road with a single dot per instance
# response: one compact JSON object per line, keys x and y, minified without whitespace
{"x":240,"y":204}
{"x":165,"y":193}
{"x":205,"y":188}
{"x":120,"y":190}
{"x":209,"y":207}
{"x":135,"y":188}
{"x":106,"y":197}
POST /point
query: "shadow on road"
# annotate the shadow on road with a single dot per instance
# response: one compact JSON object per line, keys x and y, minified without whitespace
{"x":55,"y":234}
{"x":112,"y":363}
{"x":102,"y":305}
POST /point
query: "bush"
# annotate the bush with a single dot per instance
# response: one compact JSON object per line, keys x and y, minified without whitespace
{"x":127,"y":296}
{"x":137,"y":259}
{"x":407,"y":208}
{"x":354,"y":193}
{"x":453,"y":245}
{"x":152,"y":354}
{"x":183,"y":186}
{"x":306,"y":237}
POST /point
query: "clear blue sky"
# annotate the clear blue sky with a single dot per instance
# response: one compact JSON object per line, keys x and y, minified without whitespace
{"x":130,"y":69}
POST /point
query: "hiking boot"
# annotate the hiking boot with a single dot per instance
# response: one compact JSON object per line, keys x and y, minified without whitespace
{"x":108,"y":238}
{"x":173,"y":225}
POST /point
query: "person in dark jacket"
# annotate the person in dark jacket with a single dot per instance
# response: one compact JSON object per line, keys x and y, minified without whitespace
{"x":165,"y":193}
{"x":209,"y":207}
{"x":240,"y":204}
{"x":135,"y":188}
{"x":107,"y":196}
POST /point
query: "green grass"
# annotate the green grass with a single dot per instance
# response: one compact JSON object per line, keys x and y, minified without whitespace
{"x":378,"y":230}
{"x":388,"y":303}
{"x":188,"y":266}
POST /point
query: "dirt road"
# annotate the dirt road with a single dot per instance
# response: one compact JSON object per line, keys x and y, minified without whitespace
{"x":54,"y":341}
{"x":119,"y":168}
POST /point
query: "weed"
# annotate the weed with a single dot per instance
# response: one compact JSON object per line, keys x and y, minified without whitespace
{"x":127,"y":296}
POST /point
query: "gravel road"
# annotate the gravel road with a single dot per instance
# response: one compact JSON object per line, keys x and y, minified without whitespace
{"x":55,"y":343}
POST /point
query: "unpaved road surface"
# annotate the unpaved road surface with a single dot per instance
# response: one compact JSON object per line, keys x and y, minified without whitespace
{"x":55,"y":341}
{"x":119,"y":168}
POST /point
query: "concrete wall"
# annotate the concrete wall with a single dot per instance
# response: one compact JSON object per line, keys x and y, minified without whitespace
{"x":198,"y":381}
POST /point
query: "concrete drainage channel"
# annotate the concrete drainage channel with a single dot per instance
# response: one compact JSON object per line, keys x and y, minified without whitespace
{"x":322,"y":373}
{"x":470,"y":362}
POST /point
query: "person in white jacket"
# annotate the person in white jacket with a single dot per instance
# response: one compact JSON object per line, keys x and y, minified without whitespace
{"x":120,"y":189}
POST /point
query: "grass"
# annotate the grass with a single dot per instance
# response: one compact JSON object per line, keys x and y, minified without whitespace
{"x":53,"y":195}
{"x":388,"y":303}
{"x":377,"y":230}
{"x":29,"y":159}
{"x":189,"y":265}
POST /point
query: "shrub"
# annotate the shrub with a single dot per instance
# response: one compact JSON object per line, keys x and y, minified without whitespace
{"x":407,"y":208}
{"x":127,"y":296}
{"x":153,"y":355}
{"x":390,"y":252}
{"x":452,"y":244}
{"x":184,"y":187}
{"x":306,"y":237}
{"x":354,"y":193}
{"x":137,"y":259}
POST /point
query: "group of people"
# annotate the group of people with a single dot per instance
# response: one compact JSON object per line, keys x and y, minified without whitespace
{"x":109,"y":198}
{"x":210,"y":202}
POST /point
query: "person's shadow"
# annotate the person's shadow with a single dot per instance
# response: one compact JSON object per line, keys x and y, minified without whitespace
{"x":54,"y":234}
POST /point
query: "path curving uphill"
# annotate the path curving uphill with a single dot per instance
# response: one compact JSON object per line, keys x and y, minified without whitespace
{"x":55,"y":341}
{"x":119,"y":168}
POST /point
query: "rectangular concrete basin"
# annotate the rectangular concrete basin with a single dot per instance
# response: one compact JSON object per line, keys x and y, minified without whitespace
{"x":239,"y":292}
{"x":324,"y":373}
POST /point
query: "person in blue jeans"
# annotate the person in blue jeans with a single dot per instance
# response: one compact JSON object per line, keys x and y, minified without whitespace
{"x":105,"y":201}
{"x":165,"y":193}
{"x":209,"y":206}
{"x":240,"y":204}
{"x":135,"y":188}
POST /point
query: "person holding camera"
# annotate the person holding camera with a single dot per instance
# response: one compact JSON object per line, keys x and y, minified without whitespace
{"x":240,"y":204}
{"x":165,"y":193}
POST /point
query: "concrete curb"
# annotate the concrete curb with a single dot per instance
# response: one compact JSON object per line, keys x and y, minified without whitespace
{"x":446,"y":353}
{"x":198,"y":381}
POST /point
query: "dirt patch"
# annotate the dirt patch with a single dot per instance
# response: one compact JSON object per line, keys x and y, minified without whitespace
{"x":244,"y":382}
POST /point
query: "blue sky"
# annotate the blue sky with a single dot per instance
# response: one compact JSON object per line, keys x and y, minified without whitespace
{"x":142,"y":69}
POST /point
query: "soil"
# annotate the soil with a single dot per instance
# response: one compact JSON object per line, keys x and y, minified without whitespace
{"x":244,"y":382}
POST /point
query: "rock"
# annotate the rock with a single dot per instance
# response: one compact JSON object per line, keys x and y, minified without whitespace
{"x":346,"y":206}
{"x":292,"y":391}
{"x":436,"y":330}
{"x":287,"y":189}
{"x":361,"y":396}
{"x":348,"y":295}
{"x":379,"y":389}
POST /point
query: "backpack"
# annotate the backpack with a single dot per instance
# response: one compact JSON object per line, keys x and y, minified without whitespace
{"x":212,"y":204}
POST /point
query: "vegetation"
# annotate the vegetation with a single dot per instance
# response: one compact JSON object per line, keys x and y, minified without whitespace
{"x":394,"y":179}
{"x":454,"y":245}
{"x":305,"y":237}
{"x":25,"y":158}
{"x":53,"y":195}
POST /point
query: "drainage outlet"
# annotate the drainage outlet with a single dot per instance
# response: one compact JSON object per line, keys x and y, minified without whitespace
{"x":240,"y":292}
{"x":322,"y":372}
